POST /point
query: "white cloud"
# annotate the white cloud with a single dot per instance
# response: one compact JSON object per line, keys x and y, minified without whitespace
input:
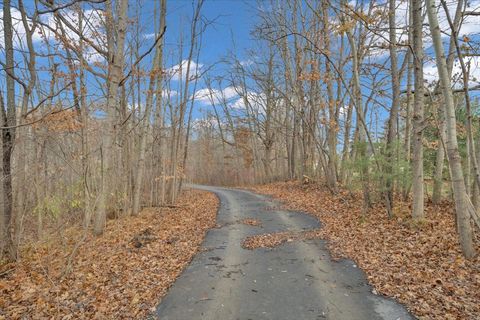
{"x":93,"y":29}
{"x":246,"y":63}
{"x":179,"y":72}
{"x":238,"y":104}
{"x":234,"y":98}
{"x":431,"y":72}
{"x":343,"y":110}
{"x":18,"y":29}
{"x":149,"y":36}
{"x":166,"y":93}
{"x":256,"y":102}
{"x":471,"y":25}
{"x":206,"y":123}
{"x":230,"y":92}
{"x":208,"y":96}
{"x":93,"y":23}
{"x":92,"y":56}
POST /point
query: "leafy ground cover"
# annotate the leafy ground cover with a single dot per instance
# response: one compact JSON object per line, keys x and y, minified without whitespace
{"x":418,"y":263}
{"x":120,"y":275}
{"x":271,"y":240}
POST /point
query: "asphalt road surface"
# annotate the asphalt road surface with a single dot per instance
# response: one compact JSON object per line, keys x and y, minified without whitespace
{"x":296,"y":280}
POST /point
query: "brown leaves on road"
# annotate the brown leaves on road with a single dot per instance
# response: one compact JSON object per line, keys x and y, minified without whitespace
{"x":252,"y":222}
{"x":418,"y":263}
{"x":270,"y":240}
{"x":120,"y":275}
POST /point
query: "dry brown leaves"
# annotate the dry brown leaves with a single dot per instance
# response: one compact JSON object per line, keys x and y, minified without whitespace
{"x":120,"y":275}
{"x":270,"y":240}
{"x":252,"y":222}
{"x":58,"y":121}
{"x":419,"y":264}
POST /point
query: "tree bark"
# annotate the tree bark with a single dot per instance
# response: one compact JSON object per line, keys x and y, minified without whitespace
{"x":440,"y":156}
{"x":463,"y":207}
{"x":8,"y":115}
{"x":144,"y":125}
{"x":392,"y":120}
{"x":332,"y":105}
{"x":418,"y":112}
{"x":115,"y":72}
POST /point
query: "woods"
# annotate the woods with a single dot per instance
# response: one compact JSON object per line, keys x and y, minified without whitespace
{"x":367,"y":95}
{"x":333,"y":92}
{"x":365,"y":114}
{"x":87,"y":114}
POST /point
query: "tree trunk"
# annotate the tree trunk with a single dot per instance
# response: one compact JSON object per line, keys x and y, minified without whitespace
{"x":361,"y":147}
{"x":440,"y":157}
{"x":463,"y":207}
{"x":418,"y":113}
{"x":332,"y":105}
{"x":439,"y":160}
{"x":8,"y":137}
{"x":392,"y":120}
{"x":115,"y":72}
{"x":408,"y":124}
{"x":144,"y":125}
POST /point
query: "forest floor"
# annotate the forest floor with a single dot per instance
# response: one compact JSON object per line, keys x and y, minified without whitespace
{"x":121,"y":275}
{"x":417,"y":263}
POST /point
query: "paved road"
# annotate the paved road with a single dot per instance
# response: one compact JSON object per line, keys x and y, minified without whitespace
{"x":293,"y":281}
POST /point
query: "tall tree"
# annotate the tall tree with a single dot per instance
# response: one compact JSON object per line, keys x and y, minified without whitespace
{"x":155,"y":73}
{"x":418,"y":112}
{"x":440,"y":156}
{"x":392,"y":120}
{"x":463,"y":207}
{"x":8,"y":115}
{"x":116,"y":29}
{"x":332,"y":128}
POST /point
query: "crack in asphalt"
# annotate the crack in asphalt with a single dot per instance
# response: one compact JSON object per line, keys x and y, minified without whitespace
{"x":296,"y":280}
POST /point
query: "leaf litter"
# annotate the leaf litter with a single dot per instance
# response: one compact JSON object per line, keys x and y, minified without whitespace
{"x":271,"y":240}
{"x":121,"y":275}
{"x":417,"y":263}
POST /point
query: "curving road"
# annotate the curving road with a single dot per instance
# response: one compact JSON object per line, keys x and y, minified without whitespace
{"x":293,"y":281}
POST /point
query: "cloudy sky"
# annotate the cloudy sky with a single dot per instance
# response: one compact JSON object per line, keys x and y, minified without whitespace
{"x":229,"y":30}
{"x":230,"y":23}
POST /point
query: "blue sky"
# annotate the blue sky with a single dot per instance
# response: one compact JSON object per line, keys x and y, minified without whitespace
{"x":232,"y":23}
{"x":230,"y":19}
{"x":229,"y":31}
{"x":233,"y":18}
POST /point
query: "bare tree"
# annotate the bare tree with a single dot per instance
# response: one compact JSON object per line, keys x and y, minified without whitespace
{"x":116,"y":31}
{"x":8,"y":114}
{"x":463,"y":207}
{"x":418,"y":112}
